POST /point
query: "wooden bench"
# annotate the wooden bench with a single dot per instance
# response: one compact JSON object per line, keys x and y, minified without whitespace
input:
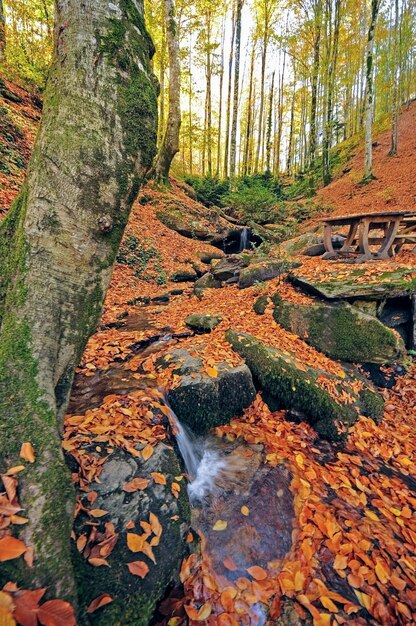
{"x":398,"y":228}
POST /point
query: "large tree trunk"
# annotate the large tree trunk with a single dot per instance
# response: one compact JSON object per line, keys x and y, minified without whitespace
{"x":396,"y":84}
{"x":170,"y":143}
{"x":331,"y":70}
{"x":369,"y":93}
{"x":58,"y":244}
{"x":233,"y":141}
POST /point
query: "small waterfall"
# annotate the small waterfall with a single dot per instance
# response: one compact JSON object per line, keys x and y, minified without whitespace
{"x":244,"y":239}
{"x":202,"y":461}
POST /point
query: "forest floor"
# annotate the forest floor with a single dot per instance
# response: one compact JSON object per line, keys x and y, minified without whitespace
{"x":352,"y":558}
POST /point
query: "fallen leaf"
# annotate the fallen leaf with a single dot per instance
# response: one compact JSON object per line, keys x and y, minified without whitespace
{"x":138,"y":568}
{"x":160,"y":479}
{"x":147,"y":452}
{"x":56,"y":613}
{"x":245,"y":510}
{"x":27,"y":452}
{"x":97,"y":512}
{"x":11,"y":548}
{"x":102,"y":600}
{"x":220,"y":525}
{"x":136,"y":484}
{"x":258,"y":573}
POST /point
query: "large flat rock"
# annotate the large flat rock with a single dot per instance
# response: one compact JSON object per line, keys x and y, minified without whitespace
{"x":355,"y":283}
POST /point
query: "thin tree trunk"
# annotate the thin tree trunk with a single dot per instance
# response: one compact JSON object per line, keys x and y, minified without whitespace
{"x":369,"y":93}
{"x":162,"y":76}
{"x":230,"y":83}
{"x":58,"y":244}
{"x":217,"y":169}
{"x":233,"y":140}
{"x":261,"y":109}
{"x":249,"y":113}
{"x":269,"y":127}
{"x":292,"y":124}
{"x":280,"y":117}
{"x":170,"y":144}
{"x":396,"y":83}
{"x":315,"y":77}
{"x":2,"y":33}
{"x":328,"y":124}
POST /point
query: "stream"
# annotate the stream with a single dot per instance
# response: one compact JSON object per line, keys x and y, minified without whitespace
{"x":229,"y":482}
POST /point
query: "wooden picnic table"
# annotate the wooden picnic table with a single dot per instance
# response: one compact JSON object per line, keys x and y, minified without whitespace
{"x":398,"y":228}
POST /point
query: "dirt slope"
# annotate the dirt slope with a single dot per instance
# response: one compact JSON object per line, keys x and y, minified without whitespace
{"x":395,"y":185}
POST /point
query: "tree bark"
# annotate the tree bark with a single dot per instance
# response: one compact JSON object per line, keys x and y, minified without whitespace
{"x":369,"y":93}
{"x":328,"y":123}
{"x":58,"y":244}
{"x":249,"y":114}
{"x":233,"y":140}
{"x":230,"y":82}
{"x":269,"y":127}
{"x":315,"y":78}
{"x":396,"y":82}
{"x":2,"y":33}
{"x":170,"y":143}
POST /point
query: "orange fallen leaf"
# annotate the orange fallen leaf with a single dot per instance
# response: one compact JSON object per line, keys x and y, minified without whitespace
{"x":245,"y":510}
{"x":135,"y":542}
{"x":27,"y":452}
{"x":138,"y":568}
{"x":147,"y":452}
{"x":229,"y":564}
{"x":258,"y":573}
{"x":220,"y":525}
{"x":136,"y":484}
{"x":97,"y":512}
{"x":160,"y":479}
{"x":11,"y":548}
{"x":56,"y":613}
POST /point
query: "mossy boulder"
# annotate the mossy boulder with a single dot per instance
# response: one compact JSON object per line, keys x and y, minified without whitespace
{"x":295,"y":386}
{"x":207,"y":281}
{"x":134,"y":598}
{"x":228,"y":268}
{"x":340,"y":331}
{"x":263,"y":271}
{"x":207,"y":397}
{"x":203,"y":322}
{"x":188,"y":274}
{"x":260,"y":304}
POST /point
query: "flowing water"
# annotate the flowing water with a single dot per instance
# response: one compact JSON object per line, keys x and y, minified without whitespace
{"x":224,"y":477}
{"x":245,"y":239}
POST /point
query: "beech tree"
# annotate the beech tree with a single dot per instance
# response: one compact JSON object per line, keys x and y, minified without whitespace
{"x":170,"y":143}
{"x":2,"y":33}
{"x":369,"y":92}
{"x":57,"y":248}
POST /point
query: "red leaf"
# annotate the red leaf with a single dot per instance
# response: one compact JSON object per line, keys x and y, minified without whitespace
{"x":27,"y":605}
{"x":138,"y":568}
{"x":11,"y":548}
{"x":102,"y":600}
{"x":56,"y":613}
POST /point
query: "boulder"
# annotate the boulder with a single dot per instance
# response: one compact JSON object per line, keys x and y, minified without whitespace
{"x":260,"y":304}
{"x":207,"y":281}
{"x":203,"y":322}
{"x":228,"y":267}
{"x":208,"y":256}
{"x":292,"y":385}
{"x":207,"y":397}
{"x":340,"y":331}
{"x":263,"y":271}
{"x":134,"y":598}
{"x":184,"y":275}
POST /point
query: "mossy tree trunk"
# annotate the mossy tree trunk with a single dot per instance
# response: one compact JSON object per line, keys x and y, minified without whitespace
{"x":96,"y":142}
{"x":2,"y":33}
{"x":369,"y":93}
{"x":170,"y":143}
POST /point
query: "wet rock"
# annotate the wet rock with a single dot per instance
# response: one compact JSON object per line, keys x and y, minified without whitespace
{"x":203,"y":322}
{"x":263,"y":271}
{"x":227,"y":268}
{"x":134,"y":598}
{"x":295,"y":386}
{"x":202,"y":401}
{"x":340,"y":331}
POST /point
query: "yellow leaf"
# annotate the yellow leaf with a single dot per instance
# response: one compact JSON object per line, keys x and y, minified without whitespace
{"x":382,"y":574}
{"x":328,"y":604}
{"x":204,"y":612}
{"x":212,"y":372}
{"x":135,"y":542}
{"x":220,"y":525}
{"x":6,"y":618}
{"x":147,"y":452}
{"x":245,"y":510}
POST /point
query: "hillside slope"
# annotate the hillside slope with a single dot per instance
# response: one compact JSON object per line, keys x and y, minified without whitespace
{"x":394,"y":186}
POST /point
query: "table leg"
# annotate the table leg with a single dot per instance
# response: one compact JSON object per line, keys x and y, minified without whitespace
{"x":385,"y":250}
{"x":330,"y":252}
{"x":350,"y":237}
{"x":363,"y":245}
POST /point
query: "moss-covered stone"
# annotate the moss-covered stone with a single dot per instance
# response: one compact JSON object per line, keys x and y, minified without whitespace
{"x":297,"y":387}
{"x":203,"y":322}
{"x":340,"y":331}
{"x":260,"y":304}
{"x":134,"y":599}
{"x":263,"y":271}
{"x":205,"y":399}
